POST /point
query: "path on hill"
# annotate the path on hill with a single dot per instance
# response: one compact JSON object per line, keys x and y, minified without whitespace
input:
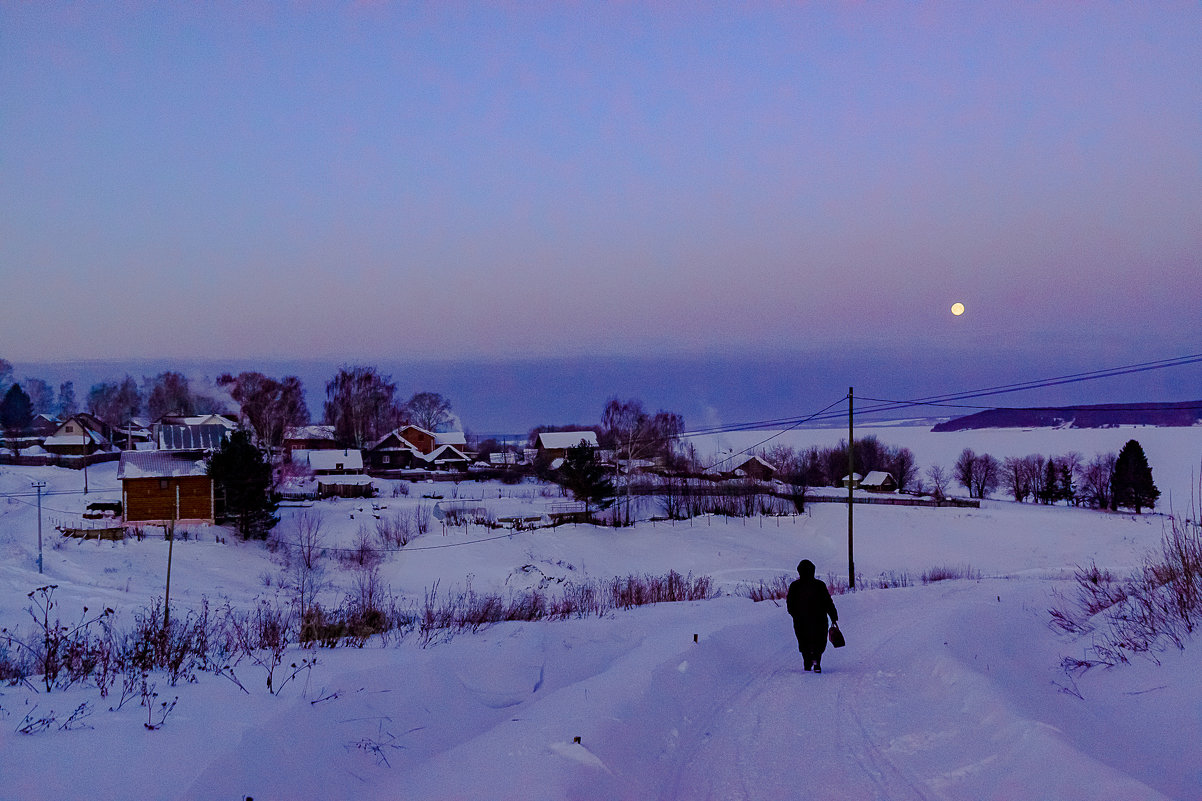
{"x":920,"y":705}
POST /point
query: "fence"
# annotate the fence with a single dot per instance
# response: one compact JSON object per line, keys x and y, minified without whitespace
{"x":55,"y":460}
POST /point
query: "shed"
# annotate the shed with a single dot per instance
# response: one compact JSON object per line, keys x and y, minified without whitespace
{"x":345,"y":487}
{"x":158,"y":486}
{"x":856,"y":478}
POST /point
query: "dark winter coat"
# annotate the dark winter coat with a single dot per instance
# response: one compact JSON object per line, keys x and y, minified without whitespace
{"x":809,"y":603}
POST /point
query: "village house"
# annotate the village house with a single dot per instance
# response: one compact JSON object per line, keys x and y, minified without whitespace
{"x":412,"y":447}
{"x":555,"y":444}
{"x":204,"y":438}
{"x":309,"y":438}
{"x":78,"y":435}
{"x":392,"y":452}
{"x":164,"y":486}
{"x":754,"y":468}
{"x":345,"y":462}
{"x":878,"y":481}
{"x":226,"y":421}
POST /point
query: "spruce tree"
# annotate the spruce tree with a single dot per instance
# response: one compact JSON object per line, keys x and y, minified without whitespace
{"x":585,"y":478}
{"x":1132,"y":486}
{"x":16,"y":413}
{"x":244,"y":478}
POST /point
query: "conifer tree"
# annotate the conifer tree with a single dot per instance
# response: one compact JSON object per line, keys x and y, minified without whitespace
{"x":244,"y":478}
{"x":1132,"y":486}
{"x":585,"y":478}
{"x":16,"y":413}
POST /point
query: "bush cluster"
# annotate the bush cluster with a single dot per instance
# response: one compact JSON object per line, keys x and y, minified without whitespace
{"x":1158,"y":606}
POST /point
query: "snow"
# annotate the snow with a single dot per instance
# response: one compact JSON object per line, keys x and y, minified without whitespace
{"x":561,"y":440}
{"x":951,"y":690}
{"x":334,"y":460}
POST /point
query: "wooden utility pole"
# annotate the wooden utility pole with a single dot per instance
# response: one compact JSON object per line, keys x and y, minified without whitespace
{"x":851,"y":472}
{"x":170,"y":548}
{"x":38,"y":486}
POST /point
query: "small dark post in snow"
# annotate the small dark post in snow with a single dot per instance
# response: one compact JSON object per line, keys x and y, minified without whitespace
{"x":576,"y":740}
{"x":694,"y":638}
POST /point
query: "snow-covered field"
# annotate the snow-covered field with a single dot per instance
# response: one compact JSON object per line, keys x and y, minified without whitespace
{"x":947,"y":691}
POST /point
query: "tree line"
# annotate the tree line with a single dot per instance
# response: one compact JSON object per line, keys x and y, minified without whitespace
{"x":361,"y":403}
{"x":1107,"y":481}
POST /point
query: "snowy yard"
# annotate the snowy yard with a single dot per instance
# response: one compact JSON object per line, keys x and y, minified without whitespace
{"x":951,"y":690}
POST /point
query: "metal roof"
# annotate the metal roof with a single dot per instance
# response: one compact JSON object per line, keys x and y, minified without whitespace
{"x":196,"y":438}
{"x":159,"y":464}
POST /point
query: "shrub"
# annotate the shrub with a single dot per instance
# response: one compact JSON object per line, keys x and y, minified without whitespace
{"x":1161,"y":604}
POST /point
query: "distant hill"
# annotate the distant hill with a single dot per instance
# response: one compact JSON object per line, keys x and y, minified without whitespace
{"x":1106,"y":415}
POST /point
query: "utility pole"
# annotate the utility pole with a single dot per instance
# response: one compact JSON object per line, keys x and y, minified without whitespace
{"x":38,"y":485}
{"x":851,"y":472}
{"x":84,"y":434}
{"x":170,"y":548}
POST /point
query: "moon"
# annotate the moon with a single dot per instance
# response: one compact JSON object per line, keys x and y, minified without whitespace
{"x":957,"y":308}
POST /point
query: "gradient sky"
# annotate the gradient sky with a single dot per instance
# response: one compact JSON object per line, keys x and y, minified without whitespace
{"x":492,"y":181}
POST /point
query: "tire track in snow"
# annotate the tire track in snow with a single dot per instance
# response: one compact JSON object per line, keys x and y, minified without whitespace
{"x":768,"y":737}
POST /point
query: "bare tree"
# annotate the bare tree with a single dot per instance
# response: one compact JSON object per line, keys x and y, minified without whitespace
{"x":1015,"y":479}
{"x":168,"y":393}
{"x":428,"y":410}
{"x":310,"y":541}
{"x":268,"y":407}
{"x":360,"y":405}
{"x":115,"y":403}
{"x":1096,"y":480}
{"x":41,"y":395}
{"x":66,"y":405}
{"x":939,"y":481}
{"x":988,"y":472}
{"x":963,"y":470}
{"x":978,"y":474}
{"x":635,"y":436}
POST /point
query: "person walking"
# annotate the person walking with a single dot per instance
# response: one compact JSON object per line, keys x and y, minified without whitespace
{"x":809,"y":604}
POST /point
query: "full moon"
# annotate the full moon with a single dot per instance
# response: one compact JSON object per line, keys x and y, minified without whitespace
{"x":957,"y":309}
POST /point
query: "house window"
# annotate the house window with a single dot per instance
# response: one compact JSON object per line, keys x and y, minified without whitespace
{"x":163,"y":483}
{"x":70,"y":429}
{"x":387,"y":460}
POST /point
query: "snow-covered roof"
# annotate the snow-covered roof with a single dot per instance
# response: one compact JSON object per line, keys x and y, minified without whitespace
{"x":445,"y":453}
{"x":342,"y":481}
{"x":74,"y":439}
{"x":876,"y":478}
{"x":456,"y":438}
{"x":760,"y":460}
{"x":567,"y":439}
{"x":335,"y":460}
{"x":310,"y":432}
{"x":159,"y":464}
{"x":200,"y":420}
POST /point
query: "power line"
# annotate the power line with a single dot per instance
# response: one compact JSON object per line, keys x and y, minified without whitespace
{"x":777,"y":434}
{"x":1104,"y":407}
